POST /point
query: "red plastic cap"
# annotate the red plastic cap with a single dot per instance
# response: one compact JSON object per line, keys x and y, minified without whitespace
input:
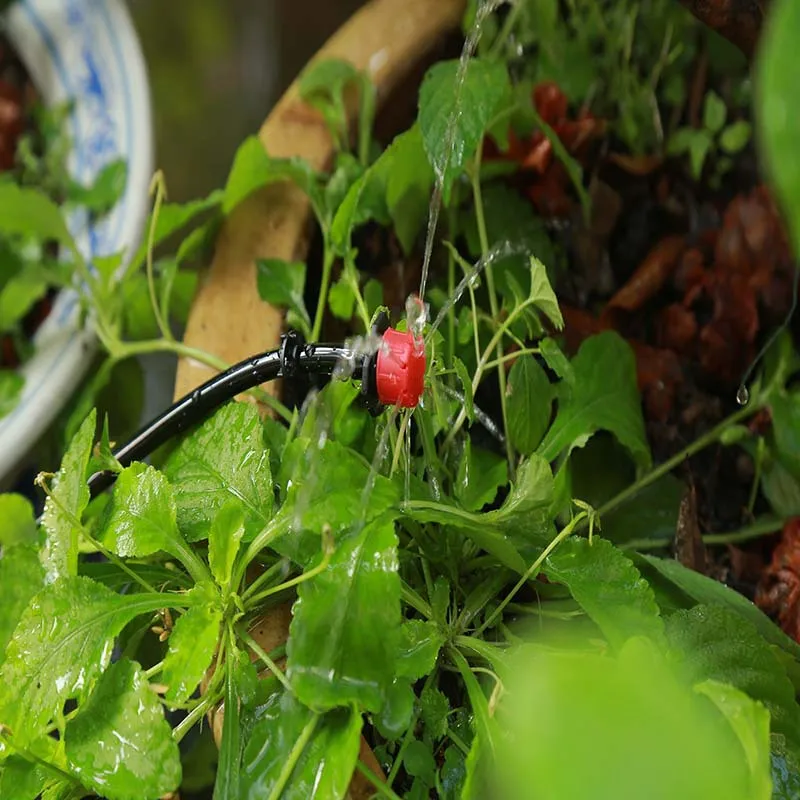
{"x":400,"y":370}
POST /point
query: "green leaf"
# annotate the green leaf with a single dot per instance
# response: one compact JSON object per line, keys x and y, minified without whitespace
{"x":174,"y":216}
{"x":750,"y":722}
{"x":192,"y":645}
{"x":555,"y":359}
{"x":346,"y":622}
{"x":632,"y":728}
{"x":714,"y":112}
{"x":453,"y":118}
{"x":324,"y":484}
{"x":21,"y":779}
{"x":29,"y":212}
{"x":108,"y":187}
{"x":529,"y":401}
{"x":434,"y":710}
{"x":712,"y":642}
{"x":17,"y":525}
{"x":781,"y":489}
{"x":139,"y":519}
{"x":604,"y":397}
{"x":785,"y":770}
{"x":608,"y":587}
{"x":320,"y":769}
{"x":419,"y":761}
{"x":17,"y":298}
{"x":223,"y":460}
{"x":224,"y":537}
{"x":254,"y":168}
{"x":736,"y":136}
{"x":61,"y":645}
{"x":703,"y":589}
{"x":785,"y":409}
{"x":365,"y":200}
{"x":398,"y":710}
{"x":227,"y":785}
{"x":480,"y":474}
{"x":699,"y":147}
{"x":466,"y":386}
{"x":282,"y":283}
{"x":543,"y":295}
{"x":341,"y":300}
{"x":11,"y":386}
{"x":64,"y":507}
{"x":120,"y":745}
{"x":408,"y":186}
{"x":420,"y":642}
{"x":21,"y":577}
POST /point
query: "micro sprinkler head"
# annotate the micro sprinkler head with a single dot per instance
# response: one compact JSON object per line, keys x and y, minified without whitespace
{"x":400,"y":369}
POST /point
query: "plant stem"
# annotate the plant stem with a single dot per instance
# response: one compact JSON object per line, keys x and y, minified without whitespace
{"x":264,"y":656}
{"x":327,"y":266}
{"x":307,"y":575}
{"x":662,"y":469}
{"x":279,"y":566}
{"x":158,"y":189}
{"x":297,"y":751}
{"x":380,"y":787}
{"x":760,"y":528}
{"x":568,"y":529}
{"x":493,"y":307}
{"x":188,"y":722}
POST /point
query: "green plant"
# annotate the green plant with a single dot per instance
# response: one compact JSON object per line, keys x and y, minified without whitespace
{"x":452,"y":593}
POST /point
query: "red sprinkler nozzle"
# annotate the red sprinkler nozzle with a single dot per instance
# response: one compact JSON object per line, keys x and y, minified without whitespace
{"x":400,"y":369}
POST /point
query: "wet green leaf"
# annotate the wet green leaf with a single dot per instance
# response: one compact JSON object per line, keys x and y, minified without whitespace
{"x":703,"y":589}
{"x":397,"y":711}
{"x":712,"y":642}
{"x":529,"y":401}
{"x":420,"y":642}
{"x":480,"y":474}
{"x":61,"y":645}
{"x":17,"y":525}
{"x":453,"y":119}
{"x":21,"y":577}
{"x":192,"y":645}
{"x":21,"y":779}
{"x":140,"y":518}
{"x":604,"y":397}
{"x":282,"y":283}
{"x":322,"y":767}
{"x":434,"y":710}
{"x":224,"y":537}
{"x":64,"y":508}
{"x":346,"y":624}
{"x":608,"y":587}
{"x":120,"y":745}
{"x":223,"y":460}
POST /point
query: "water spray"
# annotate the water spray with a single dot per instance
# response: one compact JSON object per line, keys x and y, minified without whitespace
{"x":392,"y":374}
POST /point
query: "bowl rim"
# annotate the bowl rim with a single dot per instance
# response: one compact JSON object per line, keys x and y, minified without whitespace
{"x":64,"y":45}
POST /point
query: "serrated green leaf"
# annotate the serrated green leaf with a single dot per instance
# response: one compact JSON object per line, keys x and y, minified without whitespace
{"x":324,"y":765}
{"x":120,"y":745}
{"x":543,"y":295}
{"x":605,"y":397}
{"x":434,"y":710}
{"x":420,"y":642}
{"x":555,"y":359}
{"x":29,"y":212}
{"x":453,"y":117}
{"x":223,"y":460}
{"x":529,"y":401}
{"x":63,"y":509}
{"x":419,"y":762}
{"x":714,"y":112}
{"x":140,"y":518}
{"x":11,"y":386}
{"x":706,"y":590}
{"x":17,"y":525}
{"x":60,"y":646}
{"x":226,"y":533}
{"x":21,"y":577}
{"x":346,"y":624}
{"x":282,"y":283}
{"x":750,"y":722}
{"x":712,"y":642}
{"x":192,"y":645}
{"x":608,"y":587}
{"x":480,"y":474}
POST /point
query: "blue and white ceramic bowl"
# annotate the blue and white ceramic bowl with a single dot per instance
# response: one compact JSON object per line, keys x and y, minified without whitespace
{"x":86,"y":51}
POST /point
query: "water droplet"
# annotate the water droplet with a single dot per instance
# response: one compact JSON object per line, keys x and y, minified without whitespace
{"x":743,"y":395}
{"x":416,"y":314}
